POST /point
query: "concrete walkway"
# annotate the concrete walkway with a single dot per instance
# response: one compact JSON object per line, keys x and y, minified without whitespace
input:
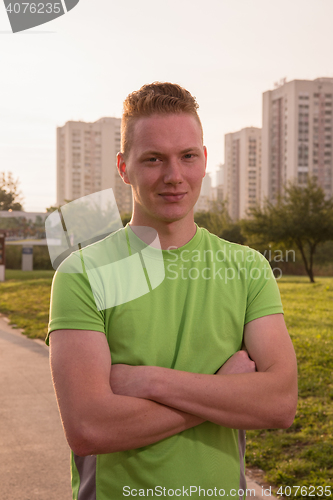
{"x":34,"y":455}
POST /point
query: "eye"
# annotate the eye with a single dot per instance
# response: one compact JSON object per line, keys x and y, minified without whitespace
{"x":152,"y":160}
{"x":189,"y":156}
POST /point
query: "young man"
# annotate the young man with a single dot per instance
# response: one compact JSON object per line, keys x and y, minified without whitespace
{"x":168,"y":417}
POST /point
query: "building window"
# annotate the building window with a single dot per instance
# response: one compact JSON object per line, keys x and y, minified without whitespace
{"x":302,"y":177}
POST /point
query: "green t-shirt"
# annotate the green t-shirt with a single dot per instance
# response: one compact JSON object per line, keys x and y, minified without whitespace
{"x":192,"y":321}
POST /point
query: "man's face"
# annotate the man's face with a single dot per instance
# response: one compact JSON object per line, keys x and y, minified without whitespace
{"x":165,"y":167}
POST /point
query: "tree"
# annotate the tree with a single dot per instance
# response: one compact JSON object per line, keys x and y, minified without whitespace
{"x":302,"y":217}
{"x":218,"y":221}
{"x":51,"y":209}
{"x":125,"y":218}
{"x":10,"y":196}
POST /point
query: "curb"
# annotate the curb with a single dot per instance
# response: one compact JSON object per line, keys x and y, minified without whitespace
{"x":11,"y":328}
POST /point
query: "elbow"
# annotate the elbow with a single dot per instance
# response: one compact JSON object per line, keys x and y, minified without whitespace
{"x":81,"y":449}
{"x":286,"y":421}
{"x":289,"y":417}
{"x":286,"y":411}
{"x":81,"y":442}
{"x":82,"y":439}
{"x":86,"y":440}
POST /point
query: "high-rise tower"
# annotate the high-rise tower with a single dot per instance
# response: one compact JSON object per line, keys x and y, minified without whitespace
{"x":297,"y":135}
{"x":242,"y":171}
{"x":86,"y":161}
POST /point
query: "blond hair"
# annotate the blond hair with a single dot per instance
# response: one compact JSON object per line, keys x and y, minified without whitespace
{"x":154,"y":98}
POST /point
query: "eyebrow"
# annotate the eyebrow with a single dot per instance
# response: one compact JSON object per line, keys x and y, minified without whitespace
{"x":159,"y":153}
{"x":150,"y":152}
{"x":188,"y":150}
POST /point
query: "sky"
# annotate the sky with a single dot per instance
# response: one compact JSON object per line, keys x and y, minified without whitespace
{"x":82,"y":65}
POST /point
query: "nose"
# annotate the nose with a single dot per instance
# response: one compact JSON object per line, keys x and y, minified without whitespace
{"x":173,"y":172}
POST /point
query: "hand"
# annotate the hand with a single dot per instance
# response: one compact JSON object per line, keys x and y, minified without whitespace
{"x":237,"y":363}
{"x":127,"y":380}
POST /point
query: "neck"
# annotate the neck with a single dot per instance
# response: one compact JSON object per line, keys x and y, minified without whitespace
{"x":171,"y":234}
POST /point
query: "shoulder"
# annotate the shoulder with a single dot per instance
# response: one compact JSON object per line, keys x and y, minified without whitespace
{"x":233,"y":252}
{"x":94,"y":255}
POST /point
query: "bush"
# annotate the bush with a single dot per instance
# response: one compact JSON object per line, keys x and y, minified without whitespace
{"x":41,"y":259}
{"x":13,"y":257}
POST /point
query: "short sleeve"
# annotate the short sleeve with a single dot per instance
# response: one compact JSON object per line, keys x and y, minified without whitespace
{"x":263,"y":296}
{"x":72,"y":304}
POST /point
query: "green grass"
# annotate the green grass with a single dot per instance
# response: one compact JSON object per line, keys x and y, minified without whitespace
{"x":299,"y":456}
{"x":18,"y":275}
{"x":25,"y":299}
{"x":303,"y":454}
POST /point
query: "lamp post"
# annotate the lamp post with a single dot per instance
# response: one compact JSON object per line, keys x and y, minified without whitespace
{"x":2,"y":256}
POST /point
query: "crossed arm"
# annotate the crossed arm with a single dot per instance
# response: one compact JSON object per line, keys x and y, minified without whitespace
{"x":106,"y":409}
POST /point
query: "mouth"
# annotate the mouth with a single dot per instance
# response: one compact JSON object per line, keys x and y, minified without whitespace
{"x":172,"y":197}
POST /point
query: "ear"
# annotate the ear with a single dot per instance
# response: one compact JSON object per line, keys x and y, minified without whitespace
{"x":122,"y":169}
{"x":205,"y":153}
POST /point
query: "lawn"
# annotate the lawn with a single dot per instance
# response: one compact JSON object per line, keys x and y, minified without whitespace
{"x":299,"y":456}
{"x":25,"y":299}
{"x":303,"y":454}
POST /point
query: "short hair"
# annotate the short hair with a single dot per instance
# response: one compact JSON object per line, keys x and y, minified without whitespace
{"x":154,"y":98}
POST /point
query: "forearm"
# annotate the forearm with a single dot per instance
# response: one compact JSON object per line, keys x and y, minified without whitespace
{"x":115,"y":423}
{"x":242,"y":401}
{"x":252,"y":400}
{"x":96,"y":418}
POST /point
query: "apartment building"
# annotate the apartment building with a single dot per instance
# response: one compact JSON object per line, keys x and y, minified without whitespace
{"x":297,"y":135}
{"x":242,"y":171}
{"x":86,"y":161}
{"x":203,"y":203}
{"x":219,"y":179}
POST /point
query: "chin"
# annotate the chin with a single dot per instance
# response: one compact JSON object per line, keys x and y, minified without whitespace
{"x":173,"y":217}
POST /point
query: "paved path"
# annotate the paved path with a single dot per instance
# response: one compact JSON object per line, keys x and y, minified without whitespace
{"x":34,"y":455}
